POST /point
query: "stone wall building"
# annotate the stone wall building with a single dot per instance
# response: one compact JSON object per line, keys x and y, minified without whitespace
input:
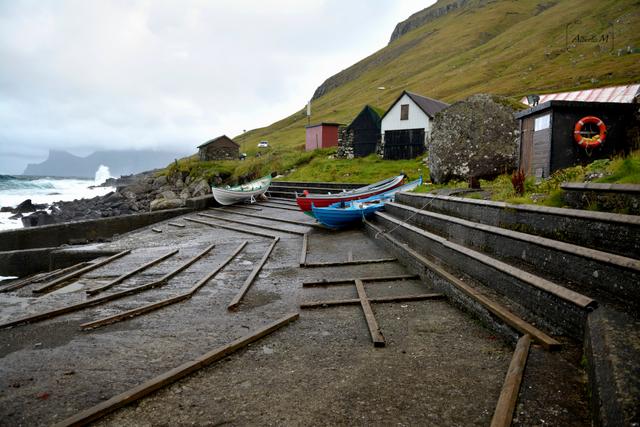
{"x":220,"y":148}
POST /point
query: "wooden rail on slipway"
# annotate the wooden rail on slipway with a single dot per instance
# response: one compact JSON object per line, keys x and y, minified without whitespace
{"x":232,"y":228}
{"x":498,"y":310}
{"x":100,"y":410}
{"x":41,"y":277}
{"x":254,"y":273}
{"x":125,"y":276}
{"x":288,"y":221}
{"x":166,"y":302}
{"x":47,"y":287}
{"x":329,"y":282}
{"x":252,"y":224}
{"x":282,"y":207}
{"x":111,"y":297}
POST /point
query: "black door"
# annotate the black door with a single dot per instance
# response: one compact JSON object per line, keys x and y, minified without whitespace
{"x":403,"y":144}
{"x":364,"y":142}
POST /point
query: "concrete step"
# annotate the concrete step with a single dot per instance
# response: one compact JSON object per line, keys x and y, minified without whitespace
{"x":601,"y":275}
{"x":608,"y":232}
{"x":549,"y":302}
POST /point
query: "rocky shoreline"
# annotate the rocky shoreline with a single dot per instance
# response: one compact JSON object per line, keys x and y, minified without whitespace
{"x":144,"y":192}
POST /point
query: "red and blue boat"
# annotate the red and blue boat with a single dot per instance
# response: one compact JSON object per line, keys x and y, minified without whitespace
{"x":348,"y":213}
{"x":307,"y":199}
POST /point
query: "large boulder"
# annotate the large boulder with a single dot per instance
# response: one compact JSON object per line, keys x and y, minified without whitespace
{"x":160,"y":204}
{"x":473,"y":139}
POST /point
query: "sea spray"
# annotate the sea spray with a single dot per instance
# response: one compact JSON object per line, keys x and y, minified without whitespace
{"x":102,"y":175}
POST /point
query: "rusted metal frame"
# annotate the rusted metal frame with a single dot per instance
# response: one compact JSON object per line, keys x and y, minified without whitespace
{"x":101,"y":300}
{"x":169,"y":301}
{"x":350,"y":281}
{"x":288,"y":221}
{"x":35,"y":278}
{"x":503,"y":415}
{"x":498,"y":310}
{"x":175,"y":224}
{"x":228,"y":227}
{"x":252,"y":224}
{"x":100,"y":410}
{"x":47,"y":287}
{"x":247,"y":283}
{"x":353,"y":301}
{"x":125,"y":276}
{"x":374,"y":329}
{"x":305,"y":249}
{"x":356,"y":262}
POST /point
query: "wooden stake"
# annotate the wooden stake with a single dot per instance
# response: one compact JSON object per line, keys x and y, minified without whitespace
{"x":353,"y":301}
{"x":57,"y":282}
{"x":101,"y":300}
{"x":503,"y":415}
{"x":364,"y":279}
{"x":228,"y":227}
{"x":130,"y":273}
{"x":247,"y":283}
{"x":100,"y":410}
{"x":169,"y":301}
{"x":374,"y":329}
{"x":252,"y":224}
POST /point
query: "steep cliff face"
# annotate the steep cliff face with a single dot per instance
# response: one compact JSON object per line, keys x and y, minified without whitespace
{"x":418,"y":19}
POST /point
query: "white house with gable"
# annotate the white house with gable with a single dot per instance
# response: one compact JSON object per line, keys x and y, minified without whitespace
{"x":407,"y":124}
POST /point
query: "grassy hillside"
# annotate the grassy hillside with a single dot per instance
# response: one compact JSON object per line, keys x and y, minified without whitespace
{"x":502,"y":47}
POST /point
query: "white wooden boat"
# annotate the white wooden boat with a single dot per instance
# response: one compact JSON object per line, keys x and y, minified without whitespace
{"x":240,"y":193}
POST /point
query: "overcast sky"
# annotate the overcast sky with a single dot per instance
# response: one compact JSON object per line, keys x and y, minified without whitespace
{"x":85,"y":75}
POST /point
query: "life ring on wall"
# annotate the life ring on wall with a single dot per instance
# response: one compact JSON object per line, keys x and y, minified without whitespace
{"x":589,"y":142}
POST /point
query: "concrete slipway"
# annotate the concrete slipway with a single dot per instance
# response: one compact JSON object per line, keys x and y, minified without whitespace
{"x":439,"y":365}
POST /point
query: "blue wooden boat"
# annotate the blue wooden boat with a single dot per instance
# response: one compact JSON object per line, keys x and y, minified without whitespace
{"x":345,"y":214}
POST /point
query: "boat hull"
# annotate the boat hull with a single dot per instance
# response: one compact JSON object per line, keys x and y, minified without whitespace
{"x":241,"y":193}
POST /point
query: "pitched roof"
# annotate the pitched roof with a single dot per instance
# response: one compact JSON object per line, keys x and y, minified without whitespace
{"x":374,"y":113}
{"x":429,"y":106}
{"x":211,"y":141}
{"x":624,"y":94}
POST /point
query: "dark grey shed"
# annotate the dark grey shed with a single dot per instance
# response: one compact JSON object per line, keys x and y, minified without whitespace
{"x":365,"y":131}
{"x":220,"y":148}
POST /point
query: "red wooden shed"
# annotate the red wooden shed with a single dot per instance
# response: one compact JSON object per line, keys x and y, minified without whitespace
{"x":322,"y":135}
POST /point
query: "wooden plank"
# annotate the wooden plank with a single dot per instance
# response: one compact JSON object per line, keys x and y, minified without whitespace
{"x":166,"y":302}
{"x":329,"y":282}
{"x":247,"y":283}
{"x":353,"y":301}
{"x":100,"y":410}
{"x":252,"y":224}
{"x":175,"y":224}
{"x":262,"y":216}
{"x":228,"y":227}
{"x":356,"y":262}
{"x":34,"y":278}
{"x":305,"y":249}
{"x":253,"y":208}
{"x":285,"y":208}
{"x":125,"y":276}
{"x":374,"y":329}
{"x":503,"y":415}
{"x":57,"y":282}
{"x":101,"y":300}
{"x":498,"y":310}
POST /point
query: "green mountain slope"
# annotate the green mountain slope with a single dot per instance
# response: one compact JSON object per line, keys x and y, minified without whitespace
{"x":506,"y":47}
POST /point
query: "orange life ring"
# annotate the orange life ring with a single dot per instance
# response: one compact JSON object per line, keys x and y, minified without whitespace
{"x":595,"y":140}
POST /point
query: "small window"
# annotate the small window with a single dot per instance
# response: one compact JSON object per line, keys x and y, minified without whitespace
{"x":404,"y":112}
{"x":542,"y":122}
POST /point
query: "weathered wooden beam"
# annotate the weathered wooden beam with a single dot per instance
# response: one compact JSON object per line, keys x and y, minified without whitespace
{"x":355,"y":262}
{"x":175,"y":224}
{"x":262,"y":216}
{"x":101,"y":300}
{"x":247,"y":283}
{"x":100,"y":410}
{"x":252,"y":224}
{"x":282,"y":207}
{"x":228,"y":227}
{"x":498,"y":310}
{"x":282,"y":199}
{"x":374,"y":329}
{"x":156,"y":230}
{"x":349,"y":281}
{"x":353,"y":301}
{"x":57,"y":282}
{"x":253,"y":208}
{"x":168,"y":301}
{"x":304,"y":250}
{"x":125,"y":276}
{"x":40,"y":277}
{"x":503,"y":415}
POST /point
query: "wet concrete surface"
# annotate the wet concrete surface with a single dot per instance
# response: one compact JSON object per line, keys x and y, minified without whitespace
{"x":439,"y":366}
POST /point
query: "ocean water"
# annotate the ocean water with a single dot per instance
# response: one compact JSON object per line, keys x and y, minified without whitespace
{"x":42,"y":189}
